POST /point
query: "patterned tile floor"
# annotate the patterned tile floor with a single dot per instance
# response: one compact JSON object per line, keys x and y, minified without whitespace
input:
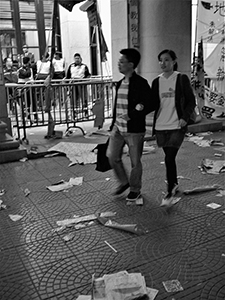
{"x":186,"y":242}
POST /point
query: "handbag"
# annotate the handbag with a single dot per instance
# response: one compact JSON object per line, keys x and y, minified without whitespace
{"x":103,"y":164}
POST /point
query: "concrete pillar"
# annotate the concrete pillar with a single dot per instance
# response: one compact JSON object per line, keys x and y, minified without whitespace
{"x":164,"y":24}
{"x":119,"y":33}
{"x":10,"y":149}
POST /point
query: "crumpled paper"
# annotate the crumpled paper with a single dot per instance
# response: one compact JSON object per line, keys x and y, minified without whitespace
{"x":63,"y":185}
{"x":213,"y":166}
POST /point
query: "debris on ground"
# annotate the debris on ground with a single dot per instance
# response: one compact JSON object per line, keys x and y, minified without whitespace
{"x":120,"y":286}
{"x":88,"y":218}
{"x":63,"y":185}
{"x":2,"y":192}
{"x":213,"y":166}
{"x":2,"y":206}
{"x":201,"y":189}
{"x":15,"y":217}
{"x":221,"y":193}
{"x":172,"y":286}
{"x":213,"y":205}
{"x":110,"y":246}
{"x":68,"y":237}
{"x":24,"y":159}
{"x":198,"y":140}
{"x":182,"y":177}
{"x":26,"y":192}
{"x":133,"y":228}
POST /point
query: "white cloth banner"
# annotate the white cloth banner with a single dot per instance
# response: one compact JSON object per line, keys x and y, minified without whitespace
{"x":214,"y":64}
{"x":214,"y":105}
{"x":210,"y":21}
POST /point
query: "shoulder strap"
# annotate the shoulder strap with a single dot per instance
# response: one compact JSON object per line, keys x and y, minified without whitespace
{"x":180,"y":82}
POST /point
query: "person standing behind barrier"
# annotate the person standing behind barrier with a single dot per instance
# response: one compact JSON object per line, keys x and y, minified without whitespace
{"x":133,"y":101}
{"x":175,"y":103}
{"x":10,"y":76}
{"x":25,"y":75}
{"x":78,"y":70}
{"x":32,"y":59}
{"x":43,"y":67}
{"x":59,"y":66}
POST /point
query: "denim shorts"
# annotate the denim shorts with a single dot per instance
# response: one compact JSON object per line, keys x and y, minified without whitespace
{"x":169,"y":138}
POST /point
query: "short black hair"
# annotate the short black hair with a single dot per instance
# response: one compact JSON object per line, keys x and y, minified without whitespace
{"x":77,"y":54}
{"x":26,"y":60}
{"x":132,"y":55}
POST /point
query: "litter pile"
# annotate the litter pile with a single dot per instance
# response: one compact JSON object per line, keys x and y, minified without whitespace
{"x":120,"y":286}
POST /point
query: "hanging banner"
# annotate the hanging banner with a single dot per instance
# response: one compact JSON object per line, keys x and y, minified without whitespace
{"x":210,"y":21}
{"x":133,"y":24}
{"x":215,"y":62}
{"x":214,"y":104}
{"x":198,"y":78}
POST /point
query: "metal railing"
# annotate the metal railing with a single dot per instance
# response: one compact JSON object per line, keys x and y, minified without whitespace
{"x":67,"y":102}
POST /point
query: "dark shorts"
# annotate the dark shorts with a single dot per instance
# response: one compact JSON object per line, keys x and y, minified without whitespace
{"x":169,"y":138}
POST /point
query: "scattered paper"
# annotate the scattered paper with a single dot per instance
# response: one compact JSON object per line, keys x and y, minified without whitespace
{"x":2,"y":206}
{"x":201,"y":189}
{"x":221,"y":193}
{"x":76,"y":181}
{"x":2,"y":192}
{"x":182,"y":177}
{"x":79,"y":226}
{"x":68,"y":222}
{"x":63,"y":185}
{"x":172,"y":286}
{"x":119,"y":286}
{"x":26,"y":192}
{"x":133,"y":228}
{"x":107,"y":214}
{"x":24,"y":159}
{"x":220,"y":149}
{"x":175,"y":200}
{"x":213,"y":205}
{"x":84,"y":297}
{"x":152,"y":293}
{"x":68,"y":237}
{"x":213,"y":166}
{"x":77,"y":153}
{"x":218,"y":154}
{"x":15,"y":217}
{"x":124,"y":286}
{"x":148,"y":149}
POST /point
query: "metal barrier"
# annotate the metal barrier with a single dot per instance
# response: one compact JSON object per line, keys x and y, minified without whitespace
{"x":67,"y":102}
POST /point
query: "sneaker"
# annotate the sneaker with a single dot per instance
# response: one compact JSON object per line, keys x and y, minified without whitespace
{"x":132,"y":196}
{"x":121,"y":189}
{"x":175,"y":189}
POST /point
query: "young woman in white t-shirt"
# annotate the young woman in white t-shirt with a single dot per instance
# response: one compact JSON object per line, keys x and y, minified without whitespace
{"x":175,"y":103}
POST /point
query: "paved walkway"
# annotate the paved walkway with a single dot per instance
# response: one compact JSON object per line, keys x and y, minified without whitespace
{"x":186,"y":242}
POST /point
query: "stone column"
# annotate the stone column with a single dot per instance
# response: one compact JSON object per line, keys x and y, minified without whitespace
{"x":10,"y":149}
{"x":164,"y":24}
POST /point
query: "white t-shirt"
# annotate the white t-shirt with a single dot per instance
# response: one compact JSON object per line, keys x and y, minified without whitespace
{"x":167,"y":118}
{"x":58,"y":64}
{"x":77,"y":71}
{"x":43,"y":67}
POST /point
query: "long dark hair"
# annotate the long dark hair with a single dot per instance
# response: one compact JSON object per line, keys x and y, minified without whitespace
{"x":172,"y":54}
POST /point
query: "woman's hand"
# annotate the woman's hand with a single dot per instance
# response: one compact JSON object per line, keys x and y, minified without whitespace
{"x":182,"y":123}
